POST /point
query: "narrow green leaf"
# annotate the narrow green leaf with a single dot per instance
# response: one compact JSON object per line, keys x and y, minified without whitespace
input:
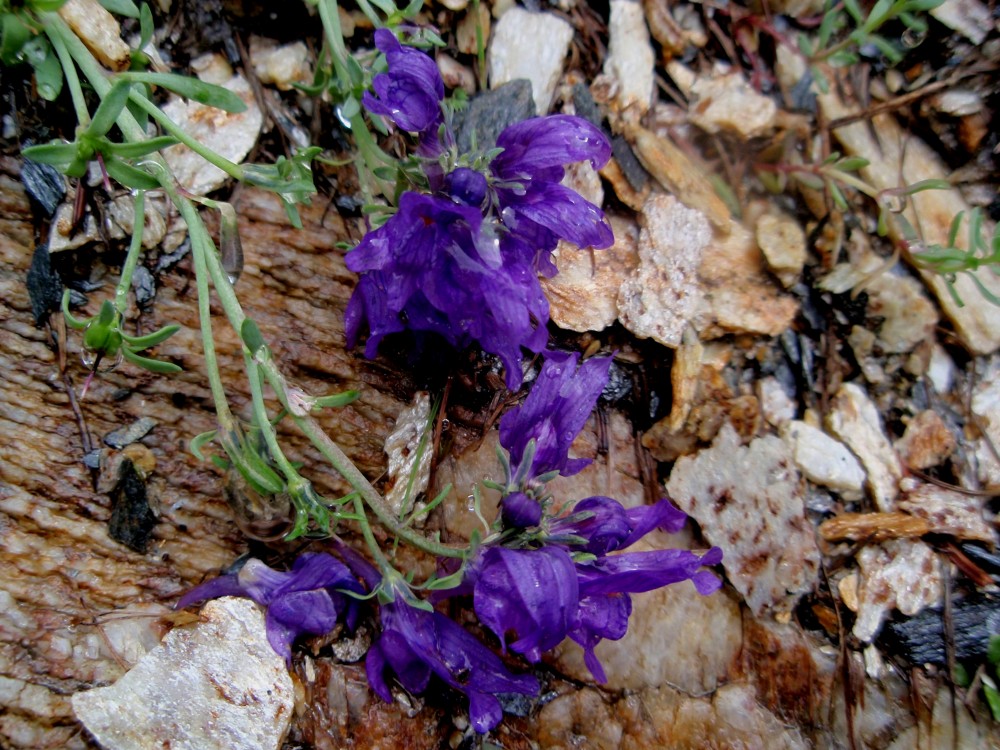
{"x":145,"y":25}
{"x":191,"y":88}
{"x":48,"y":71}
{"x":838,"y":196}
{"x":844,"y":59}
{"x":111,"y":106}
{"x":806,"y":45}
{"x":129,"y":176}
{"x":140,"y":149}
{"x":887,"y":48}
{"x":852,"y":7}
{"x":852,"y":163}
{"x":121,"y":7}
{"x":918,"y":187}
{"x":50,"y":6}
{"x":956,"y":226}
{"x":918,"y":6}
{"x":992,"y":698}
{"x":993,"y":649}
{"x":153,"y":365}
{"x":200,"y":441}
{"x":53,"y":154}
{"x":138,"y":343}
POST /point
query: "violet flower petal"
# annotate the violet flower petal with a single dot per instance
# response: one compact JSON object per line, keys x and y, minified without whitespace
{"x":559,"y":209}
{"x":643,"y":519}
{"x":410,"y":93}
{"x":634,"y":572}
{"x":554,"y":412}
{"x":597,"y":618}
{"x":532,"y":593}
{"x":226,"y":585}
{"x":535,"y":146}
{"x":519,"y":511}
{"x":298,"y":613}
{"x":602,"y":521}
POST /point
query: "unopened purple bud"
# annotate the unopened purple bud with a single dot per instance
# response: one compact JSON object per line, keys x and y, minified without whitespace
{"x":519,"y":511}
{"x":466,"y":186}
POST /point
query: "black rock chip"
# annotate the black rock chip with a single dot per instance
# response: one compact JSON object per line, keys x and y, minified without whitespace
{"x":132,"y":520}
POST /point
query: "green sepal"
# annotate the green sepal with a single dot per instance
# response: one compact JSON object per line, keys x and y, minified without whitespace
{"x":251,"y":336}
{"x":337,"y":399}
{"x":71,"y":320}
{"x":153,"y":365}
{"x":138,"y":343}
{"x":200,"y":441}
{"x":208,"y":94}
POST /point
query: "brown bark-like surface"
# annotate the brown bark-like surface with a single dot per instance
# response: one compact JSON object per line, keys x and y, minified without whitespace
{"x":65,"y":584}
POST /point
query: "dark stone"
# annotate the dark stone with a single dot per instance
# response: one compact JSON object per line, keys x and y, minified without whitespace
{"x":130,"y":433}
{"x":920,"y":639}
{"x":634,"y":172}
{"x":132,"y":520}
{"x":619,"y":384}
{"x":45,"y":288}
{"x":490,"y":112}
{"x":144,"y":285}
{"x":45,"y":184}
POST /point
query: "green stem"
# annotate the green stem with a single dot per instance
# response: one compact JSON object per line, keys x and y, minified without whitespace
{"x":169,"y":126}
{"x":366,"y":531}
{"x":848,"y":179}
{"x":330,"y":17}
{"x":72,"y":79}
{"x":264,"y":422}
{"x":370,"y":13}
{"x":134,"y":249}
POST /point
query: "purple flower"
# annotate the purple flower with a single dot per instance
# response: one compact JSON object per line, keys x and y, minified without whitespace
{"x":303,"y":601}
{"x":530,"y":593}
{"x":518,"y":511}
{"x":410,"y":93}
{"x":606,"y":526}
{"x":538,"y":597}
{"x":431,"y":268}
{"x":553,"y":414}
{"x":534,"y":207}
{"x":417,"y":643}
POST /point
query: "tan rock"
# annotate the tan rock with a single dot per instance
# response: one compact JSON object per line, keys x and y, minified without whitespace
{"x":855,"y":420}
{"x":725,"y":102}
{"x":99,"y":30}
{"x":958,"y":514}
{"x":902,"y":574}
{"x":658,"y":299}
{"x":583,"y":296}
{"x":630,"y":57}
{"x":927,"y":441}
{"x":532,"y":46}
{"x":783,"y":243}
{"x":281,"y":66}
{"x":824,"y":460}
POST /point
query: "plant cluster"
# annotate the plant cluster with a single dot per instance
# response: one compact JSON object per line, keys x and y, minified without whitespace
{"x":454,"y":251}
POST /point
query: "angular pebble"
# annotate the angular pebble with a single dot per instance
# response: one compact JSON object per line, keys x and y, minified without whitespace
{"x":855,"y":420}
{"x":927,"y":441}
{"x":750,"y":502}
{"x":903,"y":574}
{"x":947,"y":511}
{"x":783,"y":243}
{"x":825,"y":461}
{"x":630,"y":57}
{"x":215,"y":686}
{"x":658,"y":299}
{"x":725,"y":102}
{"x":532,"y":46}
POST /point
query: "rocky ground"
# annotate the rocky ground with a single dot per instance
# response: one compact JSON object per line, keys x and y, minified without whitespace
{"x":825,"y":413}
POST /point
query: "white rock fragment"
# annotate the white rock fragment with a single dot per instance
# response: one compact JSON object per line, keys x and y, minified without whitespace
{"x":900,"y":574}
{"x":407,"y":458}
{"x":725,"y":102}
{"x":231,"y":135}
{"x":630,"y":59}
{"x":824,"y":460}
{"x":783,"y":243}
{"x":776,"y":406}
{"x":583,"y":296}
{"x":215,"y":686}
{"x":949,"y":512}
{"x":280,"y":66}
{"x":750,"y":502}
{"x":941,"y":369}
{"x":909,"y":317}
{"x":855,"y":420}
{"x":658,"y":299}
{"x":986,"y":406}
{"x":532,"y":46}
{"x":99,"y":30}
{"x":969,"y":17}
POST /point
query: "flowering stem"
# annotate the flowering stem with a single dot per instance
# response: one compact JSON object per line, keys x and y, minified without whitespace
{"x":366,"y":531}
{"x":329,"y":14}
{"x":134,"y":248}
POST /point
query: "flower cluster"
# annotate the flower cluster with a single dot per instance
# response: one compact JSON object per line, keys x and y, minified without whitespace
{"x":545,"y":577}
{"x":463,"y":261}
